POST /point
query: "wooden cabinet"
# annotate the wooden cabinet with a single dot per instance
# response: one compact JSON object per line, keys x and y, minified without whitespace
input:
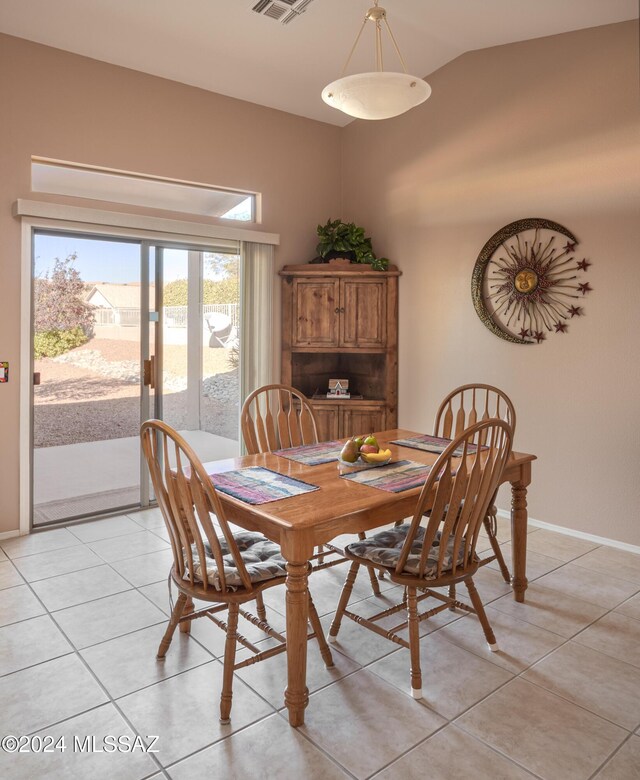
{"x":339,"y":313}
{"x":342,"y":322}
{"x":337,"y":419}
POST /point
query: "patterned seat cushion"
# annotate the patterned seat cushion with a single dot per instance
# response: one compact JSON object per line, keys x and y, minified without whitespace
{"x":384,"y":548}
{"x":262,"y":559}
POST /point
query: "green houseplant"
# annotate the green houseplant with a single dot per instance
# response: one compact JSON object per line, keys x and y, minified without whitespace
{"x":346,"y":239}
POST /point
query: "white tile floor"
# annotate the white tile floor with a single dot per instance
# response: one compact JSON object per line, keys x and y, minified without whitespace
{"x":82,"y":611}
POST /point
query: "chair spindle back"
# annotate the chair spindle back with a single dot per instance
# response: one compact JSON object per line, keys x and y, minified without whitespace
{"x":276,"y":417}
{"x":459,"y":490}
{"x":186,"y":496}
{"x":470,"y":404}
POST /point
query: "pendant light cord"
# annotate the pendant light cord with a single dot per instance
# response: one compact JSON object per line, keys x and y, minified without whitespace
{"x":353,"y":48}
{"x":379,"y":56}
{"x":400,"y":57}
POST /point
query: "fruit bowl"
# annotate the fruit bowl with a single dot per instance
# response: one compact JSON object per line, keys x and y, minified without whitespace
{"x":362,"y":453}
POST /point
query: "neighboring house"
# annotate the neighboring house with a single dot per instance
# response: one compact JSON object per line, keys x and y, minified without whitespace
{"x":115,"y":304}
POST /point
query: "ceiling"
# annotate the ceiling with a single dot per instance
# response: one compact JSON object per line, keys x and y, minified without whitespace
{"x":225,"y":47}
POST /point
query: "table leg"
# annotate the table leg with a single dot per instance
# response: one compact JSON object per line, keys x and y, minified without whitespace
{"x":519,"y":539}
{"x":296,"y":695}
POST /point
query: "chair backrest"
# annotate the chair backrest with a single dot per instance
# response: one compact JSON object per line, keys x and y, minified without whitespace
{"x":456,"y":495}
{"x":276,"y":417}
{"x":469,"y":404}
{"x":186,"y":496}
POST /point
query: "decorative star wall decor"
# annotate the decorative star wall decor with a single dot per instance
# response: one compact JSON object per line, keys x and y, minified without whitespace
{"x":526,"y":279}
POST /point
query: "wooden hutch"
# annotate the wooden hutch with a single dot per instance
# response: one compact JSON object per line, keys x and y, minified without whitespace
{"x":341,"y":322}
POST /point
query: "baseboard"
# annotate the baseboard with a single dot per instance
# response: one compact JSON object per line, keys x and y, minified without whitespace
{"x":560,"y":529}
{"x":9,"y":534}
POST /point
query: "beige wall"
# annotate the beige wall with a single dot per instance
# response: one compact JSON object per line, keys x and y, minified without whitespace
{"x":543,"y":128}
{"x":59,"y":105}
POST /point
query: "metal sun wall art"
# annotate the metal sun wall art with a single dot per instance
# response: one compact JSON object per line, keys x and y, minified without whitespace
{"x":528,"y":281}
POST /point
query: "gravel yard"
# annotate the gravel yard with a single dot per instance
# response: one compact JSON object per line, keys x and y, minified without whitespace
{"x":92,"y":393}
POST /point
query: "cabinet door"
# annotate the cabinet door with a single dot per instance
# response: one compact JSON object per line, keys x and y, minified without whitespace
{"x":362,"y":420}
{"x":316,"y":312}
{"x":328,"y":421}
{"x":364,"y":313}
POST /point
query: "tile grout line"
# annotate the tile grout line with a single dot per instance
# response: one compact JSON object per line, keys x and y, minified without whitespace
{"x":610,"y":756}
{"x":281,"y":712}
{"x":110,"y":699}
{"x":466,"y":733}
{"x":502,"y":685}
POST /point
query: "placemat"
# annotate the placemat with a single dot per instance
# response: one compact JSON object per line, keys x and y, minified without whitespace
{"x":431,"y":444}
{"x":257,"y":485}
{"x":394,"y":477}
{"x":313,"y":454}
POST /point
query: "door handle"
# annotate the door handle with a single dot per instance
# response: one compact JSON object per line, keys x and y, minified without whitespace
{"x":36,"y":378}
{"x":149,"y":372}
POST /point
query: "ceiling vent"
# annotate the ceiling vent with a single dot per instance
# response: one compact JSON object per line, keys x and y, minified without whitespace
{"x":283,"y":11}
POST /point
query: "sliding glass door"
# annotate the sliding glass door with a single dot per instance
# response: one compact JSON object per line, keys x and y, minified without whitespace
{"x":125,"y":330}
{"x":199,"y":347}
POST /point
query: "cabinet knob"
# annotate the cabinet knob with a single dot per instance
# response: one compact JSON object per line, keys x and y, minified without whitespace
{"x":337,"y":310}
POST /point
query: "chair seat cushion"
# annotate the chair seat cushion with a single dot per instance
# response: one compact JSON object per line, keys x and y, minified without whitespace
{"x":262,"y":559}
{"x":384,"y":548}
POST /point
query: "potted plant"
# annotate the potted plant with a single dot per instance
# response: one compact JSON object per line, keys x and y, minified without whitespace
{"x":346,"y":239}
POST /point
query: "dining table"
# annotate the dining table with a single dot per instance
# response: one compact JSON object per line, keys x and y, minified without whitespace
{"x":333,"y":506}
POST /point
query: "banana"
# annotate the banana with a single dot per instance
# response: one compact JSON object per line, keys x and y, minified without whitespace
{"x":376,"y":457}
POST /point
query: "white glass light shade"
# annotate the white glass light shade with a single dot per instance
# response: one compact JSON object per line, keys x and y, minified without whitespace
{"x":376,"y":95}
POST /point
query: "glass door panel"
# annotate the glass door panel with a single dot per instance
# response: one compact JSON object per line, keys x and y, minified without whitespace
{"x":125,"y":331}
{"x":198,"y":366}
{"x":87,"y":346}
{"x":220,"y":386}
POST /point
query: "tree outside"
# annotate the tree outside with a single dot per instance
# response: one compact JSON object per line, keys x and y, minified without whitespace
{"x":62,"y":320}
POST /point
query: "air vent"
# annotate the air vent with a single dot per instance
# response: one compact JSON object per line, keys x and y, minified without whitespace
{"x":283,"y":11}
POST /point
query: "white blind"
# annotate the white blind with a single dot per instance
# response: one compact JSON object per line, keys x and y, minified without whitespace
{"x":257,"y":273}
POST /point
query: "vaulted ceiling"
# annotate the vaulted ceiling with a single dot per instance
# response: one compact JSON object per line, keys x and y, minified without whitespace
{"x":227,"y":47}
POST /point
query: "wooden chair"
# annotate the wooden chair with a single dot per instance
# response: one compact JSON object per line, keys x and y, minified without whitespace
{"x":275,"y":417}
{"x":465,"y":406}
{"x":435,"y":549}
{"x":226,"y":571}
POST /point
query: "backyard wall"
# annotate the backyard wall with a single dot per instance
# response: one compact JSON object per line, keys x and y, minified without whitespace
{"x":63,"y":106}
{"x":543,"y":128}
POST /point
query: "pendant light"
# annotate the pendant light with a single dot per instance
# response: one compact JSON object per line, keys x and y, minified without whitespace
{"x":379,"y":94}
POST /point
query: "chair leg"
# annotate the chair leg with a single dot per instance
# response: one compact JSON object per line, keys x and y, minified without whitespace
{"x":372,"y":572}
{"x":482,"y":615}
{"x":375,"y":587}
{"x":489,"y":525}
{"x":344,"y":600}
{"x":316,"y":625}
{"x":173,"y":622}
{"x":260,"y":607}
{"x":414,"y":643}
{"x":229,"y":661}
{"x":320,"y":549}
{"x":185,"y":628}
{"x":452,"y":595}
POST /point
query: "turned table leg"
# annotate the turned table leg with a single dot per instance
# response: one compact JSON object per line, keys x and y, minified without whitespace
{"x":296,"y":695}
{"x":519,"y":538}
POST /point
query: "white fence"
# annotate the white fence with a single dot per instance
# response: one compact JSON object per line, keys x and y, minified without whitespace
{"x":173,"y":316}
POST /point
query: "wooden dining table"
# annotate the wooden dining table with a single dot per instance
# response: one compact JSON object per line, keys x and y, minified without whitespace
{"x":341,"y":506}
